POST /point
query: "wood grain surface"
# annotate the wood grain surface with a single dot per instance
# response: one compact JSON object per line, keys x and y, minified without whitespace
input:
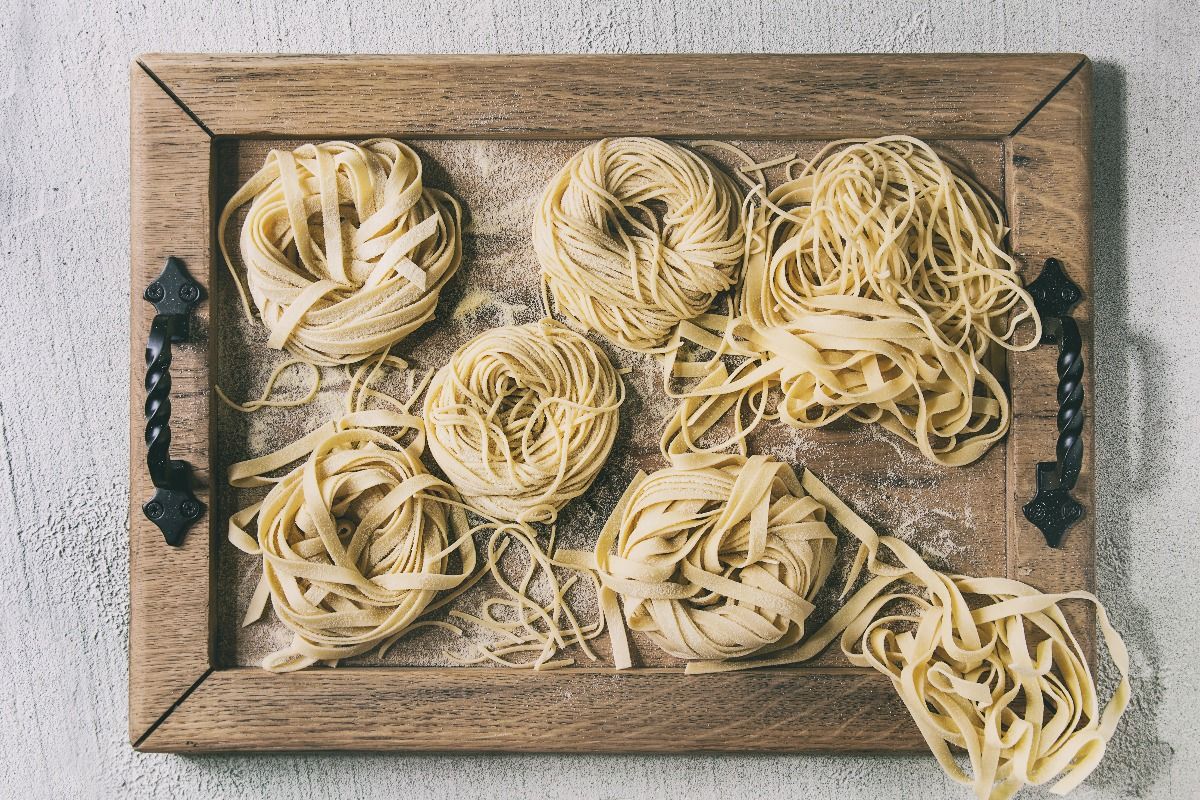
{"x":573,"y":97}
{"x":586,"y":711}
{"x":1041,"y":171}
{"x":169,"y":587}
{"x":1049,"y":205}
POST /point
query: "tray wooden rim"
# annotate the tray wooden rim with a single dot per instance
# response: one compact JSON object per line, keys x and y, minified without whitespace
{"x":1037,"y":106}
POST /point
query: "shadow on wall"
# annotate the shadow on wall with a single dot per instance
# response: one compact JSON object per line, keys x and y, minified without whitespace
{"x":1128,"y":381}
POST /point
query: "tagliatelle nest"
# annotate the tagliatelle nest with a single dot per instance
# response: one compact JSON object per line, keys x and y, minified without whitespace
{"x":345,"y":248}
{"x":717,"y":557}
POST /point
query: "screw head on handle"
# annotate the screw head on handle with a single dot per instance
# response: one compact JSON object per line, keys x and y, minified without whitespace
{"x":154,"y":292}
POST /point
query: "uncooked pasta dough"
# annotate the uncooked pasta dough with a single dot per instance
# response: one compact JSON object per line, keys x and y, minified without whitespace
{"x":869,"y":361}
{"x":717,"y":556}
{"x":529,"y":634}
{"x":345,"y":248}
{"x":887,"y":220}
{"x":634,"y":235}
{"x":1003,"y":677}
{"x":522,"y":418}
{"x":266,"y":399}
{"x":875,"y":286}
{"x":357,"y":539}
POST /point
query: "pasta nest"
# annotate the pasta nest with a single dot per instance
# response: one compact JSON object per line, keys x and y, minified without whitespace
{"x":717,"y":556}
{"x":356,"y":540}
{"x":345,"y":248}
{"x":888,"y":220}
{"x":875,"y":288}
{"x":989,"y":665}
{"x":522,"y":418}
{"x":634,"y":235}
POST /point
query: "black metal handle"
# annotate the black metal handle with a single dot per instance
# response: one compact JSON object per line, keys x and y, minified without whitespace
{"x":1053,"y":510}
{"x":173,"y":508}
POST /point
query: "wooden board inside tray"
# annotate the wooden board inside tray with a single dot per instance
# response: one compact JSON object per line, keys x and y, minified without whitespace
{"x":492,"y":130}
{"x":955,"y":517}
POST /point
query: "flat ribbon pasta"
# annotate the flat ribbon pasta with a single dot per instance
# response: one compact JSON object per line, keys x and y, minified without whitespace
{"x":717,"y":556}
{"x":356,"y":540}
{"x":634,"y":235}
{"x":870,"y":362}
{"x":1003,"y":677}
{"x":522,"y":418}
{"x":345,"y":248}
{"x":875,"y":285}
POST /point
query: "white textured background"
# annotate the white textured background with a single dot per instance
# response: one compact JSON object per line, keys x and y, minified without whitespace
{"x":64,"y":301}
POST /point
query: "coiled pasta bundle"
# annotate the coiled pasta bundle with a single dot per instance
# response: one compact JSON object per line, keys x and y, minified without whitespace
{"x":345,"y":248}
{"x":634,"y":235}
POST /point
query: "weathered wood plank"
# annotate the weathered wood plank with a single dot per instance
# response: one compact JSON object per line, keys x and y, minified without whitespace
{"x":588,"y":711}
{"x":169,"y":587}
{"x":579,"y":97}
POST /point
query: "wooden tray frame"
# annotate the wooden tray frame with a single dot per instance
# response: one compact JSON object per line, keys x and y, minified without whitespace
{"x":1037,"y":106}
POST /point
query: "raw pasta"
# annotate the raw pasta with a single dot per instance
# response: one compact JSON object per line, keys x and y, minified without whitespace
{"x":717,"y":556}
{"x":887,"y":220}
{"x":345,"y":248}
{"x":522,"y":418}
{"x":357,"y":539}
{"x":1003,"y":677}
{"x":528,"y":634}
{"x":634,"y":235}
{"x":875,"y":285}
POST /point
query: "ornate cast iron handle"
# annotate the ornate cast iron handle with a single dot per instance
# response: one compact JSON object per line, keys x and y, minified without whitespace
{"x":173,"y":508}
{"x":1053,"y":510}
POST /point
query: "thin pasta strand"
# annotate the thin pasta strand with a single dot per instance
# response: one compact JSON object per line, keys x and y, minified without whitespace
{"x":634,"y":235}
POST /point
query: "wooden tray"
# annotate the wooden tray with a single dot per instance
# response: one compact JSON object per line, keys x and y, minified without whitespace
{"x":1022,"y":122}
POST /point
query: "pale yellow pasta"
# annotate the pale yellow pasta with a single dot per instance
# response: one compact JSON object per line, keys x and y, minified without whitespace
{"x":356,"y":540}
{"x":345,"y":248}
{"x":522,"y":418}
{"x":528,"y":634}
{"x":888,"y":220}
{"x":876,"y":284}
{"x":871,"y":362}
{"x":987,"y":665}
{"x":717,"y":556}
{"x":634,"y":235}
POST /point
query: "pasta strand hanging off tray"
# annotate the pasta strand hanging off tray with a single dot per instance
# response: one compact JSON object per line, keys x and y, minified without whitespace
{"x":717,"y":559}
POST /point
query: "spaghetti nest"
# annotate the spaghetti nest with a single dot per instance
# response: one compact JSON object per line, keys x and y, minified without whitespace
{"x":634,"y":235}
{"x":888,"y":220}
{"x":875,"y":287}
{"x":345,"y":248}
{"x":717,"y":556}
{"x":356,"y":540}
{"x":522,"y":418}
